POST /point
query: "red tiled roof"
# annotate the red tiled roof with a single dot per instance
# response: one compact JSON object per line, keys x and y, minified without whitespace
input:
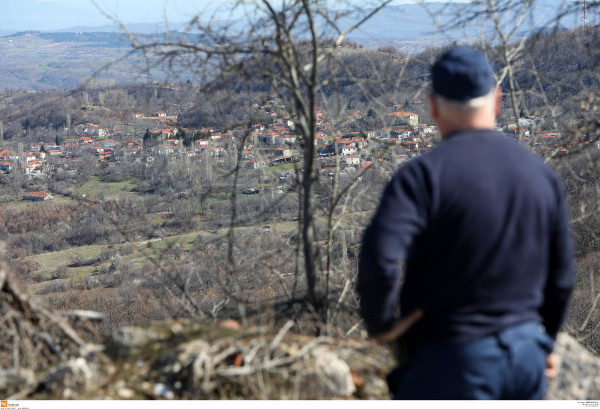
{"x":41,"y":194}
{"x":402,"y":113}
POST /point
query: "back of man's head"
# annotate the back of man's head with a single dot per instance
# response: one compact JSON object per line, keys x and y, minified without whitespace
{"x":462,"y":74}
{"x":464,"y":93}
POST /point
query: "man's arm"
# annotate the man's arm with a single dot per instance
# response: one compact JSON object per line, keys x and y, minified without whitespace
{"x":560,"y":282}
{"x":398,"y":329}
{"x":402,"y":214}
{"x":561,"y":271}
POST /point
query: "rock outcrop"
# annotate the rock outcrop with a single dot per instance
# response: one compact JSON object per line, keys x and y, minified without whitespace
{"x":579,"y":377}
{"x":43,"y":357}
{"x":190,"y":360}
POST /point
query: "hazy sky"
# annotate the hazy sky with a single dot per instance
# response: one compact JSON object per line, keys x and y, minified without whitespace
{"x":59,"y":14}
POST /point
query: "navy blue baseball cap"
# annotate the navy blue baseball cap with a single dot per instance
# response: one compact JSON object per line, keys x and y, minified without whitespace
{"x":461,"y":74}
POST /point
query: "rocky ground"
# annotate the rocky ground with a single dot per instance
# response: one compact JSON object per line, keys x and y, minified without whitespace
{"x":42,"y":356}
{"x":189,"y":360}
{"x":579,"y":377}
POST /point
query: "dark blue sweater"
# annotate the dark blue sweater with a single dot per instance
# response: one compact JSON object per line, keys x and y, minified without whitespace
{"x":481,"y":224}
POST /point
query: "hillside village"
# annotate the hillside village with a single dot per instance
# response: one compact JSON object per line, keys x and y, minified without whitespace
{"x":264,"y":144}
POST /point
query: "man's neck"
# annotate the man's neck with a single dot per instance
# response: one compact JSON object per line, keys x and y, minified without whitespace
{"x":462,"y":122}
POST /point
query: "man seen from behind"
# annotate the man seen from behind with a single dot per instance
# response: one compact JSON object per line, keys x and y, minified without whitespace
{"x":482,"y":228}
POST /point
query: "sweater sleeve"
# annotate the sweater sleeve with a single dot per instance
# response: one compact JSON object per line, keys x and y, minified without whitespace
{"x":561,"y":274}
{"x":402,"y":214}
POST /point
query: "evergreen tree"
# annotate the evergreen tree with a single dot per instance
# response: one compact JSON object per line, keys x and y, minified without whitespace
{"x":147,"y":138}
{"x":188,"y":140}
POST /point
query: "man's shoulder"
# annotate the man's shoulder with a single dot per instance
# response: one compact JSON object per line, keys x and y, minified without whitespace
{"x":484,"y":150}
{"x":466,"y":143}
{"x":477,"y":137}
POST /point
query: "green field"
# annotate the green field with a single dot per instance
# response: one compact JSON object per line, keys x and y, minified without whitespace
{"x":57,"y":200}
{"x":79,"y":262}
{"x":49,"y":262}
{"x":96,"y":188}
{"x":282,"y":167}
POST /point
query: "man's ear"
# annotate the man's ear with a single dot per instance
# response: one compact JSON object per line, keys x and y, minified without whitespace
{"x":434,"y":106}
{"x":498,"y":101}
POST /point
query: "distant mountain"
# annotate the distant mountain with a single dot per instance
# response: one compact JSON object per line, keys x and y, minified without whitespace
{"x":405,"y":22}
{"x":62,"y":58}
{"x":415,"y":26}
{"x":49,"y":60}
{"x":144,"y":28}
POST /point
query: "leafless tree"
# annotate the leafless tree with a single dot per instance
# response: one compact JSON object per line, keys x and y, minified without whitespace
{"x":284,"y":47}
